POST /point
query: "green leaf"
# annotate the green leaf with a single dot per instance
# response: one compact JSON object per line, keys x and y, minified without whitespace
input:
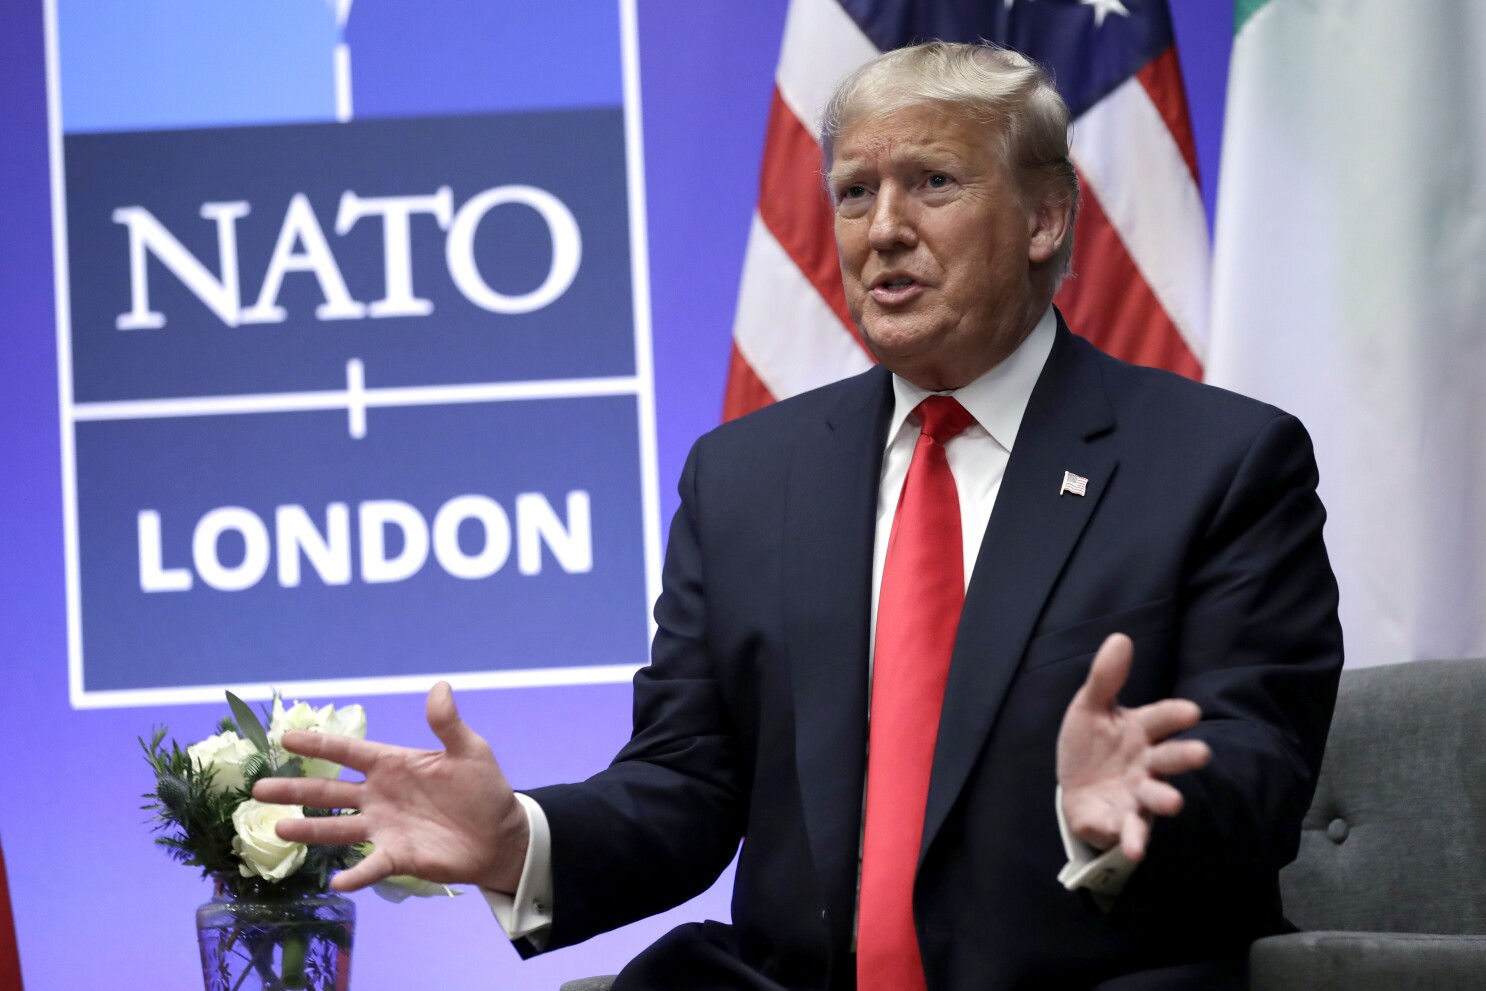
{"x":255,"y":766}
{"x":291,"y":768}
{"x":248,"y":723}
{"x":157,"y":734}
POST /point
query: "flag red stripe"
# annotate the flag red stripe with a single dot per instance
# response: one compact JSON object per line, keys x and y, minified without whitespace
{"x":745,"y":391}
{"x":1162,"y":79}
{"x":792,"y":204}
{"x":10,"y":963}
{"x":1109,"y":302}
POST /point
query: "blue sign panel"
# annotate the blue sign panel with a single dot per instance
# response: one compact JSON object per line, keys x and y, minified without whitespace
{"x":436,"y":250}
{"x":356,"y":384}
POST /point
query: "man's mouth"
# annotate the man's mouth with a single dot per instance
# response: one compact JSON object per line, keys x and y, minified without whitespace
{"x":894,"y":288}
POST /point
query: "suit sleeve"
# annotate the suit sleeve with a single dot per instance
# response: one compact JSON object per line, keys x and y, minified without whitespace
{"x":1260,"y":650}
{"x":657,"y":826}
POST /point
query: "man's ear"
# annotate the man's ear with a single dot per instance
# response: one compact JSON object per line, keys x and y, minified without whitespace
{"x":1049,"y":224}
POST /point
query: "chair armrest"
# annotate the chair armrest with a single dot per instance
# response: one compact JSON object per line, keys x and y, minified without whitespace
{"x":1322,"y":961}
{"x":589,"y":984}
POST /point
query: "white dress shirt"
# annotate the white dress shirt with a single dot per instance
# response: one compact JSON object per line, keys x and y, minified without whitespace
{"x":977,"y":460}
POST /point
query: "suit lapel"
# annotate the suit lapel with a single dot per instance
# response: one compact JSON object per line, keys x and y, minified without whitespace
{"x":1068,"y":426}
{"x":830,"y":517}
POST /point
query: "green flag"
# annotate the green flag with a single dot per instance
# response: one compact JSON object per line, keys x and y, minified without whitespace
{"x":1350,"y":289}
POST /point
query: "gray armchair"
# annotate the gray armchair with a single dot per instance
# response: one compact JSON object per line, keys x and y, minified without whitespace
{"x":1390,"y":882}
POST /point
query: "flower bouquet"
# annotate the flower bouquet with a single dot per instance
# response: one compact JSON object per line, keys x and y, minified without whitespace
{"x":273,"y":922}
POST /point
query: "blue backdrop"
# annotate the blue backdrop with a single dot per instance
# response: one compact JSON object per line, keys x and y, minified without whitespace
{"x":96,"y":904}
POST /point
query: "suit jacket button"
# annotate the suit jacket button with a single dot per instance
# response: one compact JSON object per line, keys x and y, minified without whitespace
{"x":1337,"y":830}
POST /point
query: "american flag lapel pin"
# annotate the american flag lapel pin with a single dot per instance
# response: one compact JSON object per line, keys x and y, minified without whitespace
{"x":1076,"y":484}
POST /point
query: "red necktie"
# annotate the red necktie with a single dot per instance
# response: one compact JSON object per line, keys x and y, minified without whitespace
{"x":918,"y":612}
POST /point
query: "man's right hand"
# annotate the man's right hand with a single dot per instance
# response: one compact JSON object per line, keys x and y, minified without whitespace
{"x":447,"y":816}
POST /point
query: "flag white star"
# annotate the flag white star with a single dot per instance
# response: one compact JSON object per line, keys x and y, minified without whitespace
{"x":342,"y":11}
{"x":1103,"y":8}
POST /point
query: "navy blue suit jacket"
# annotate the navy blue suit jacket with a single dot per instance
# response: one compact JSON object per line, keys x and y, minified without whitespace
{"x":1200,"y":537}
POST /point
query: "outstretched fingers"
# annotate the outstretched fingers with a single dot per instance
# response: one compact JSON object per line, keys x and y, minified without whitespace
{"x":1107,"y":674}
{"x":376,"y":867}
{"x":443,"y":718}
{"x":1158,"y":798}
{"x":1134,"y":834}
{"x":324,"y":830}
{"x":1177,"y":757}
{"x":320,"y":793}
{"x":1167,"y":717}
{"x":359,"y":755}
{"x":1113,"y":761}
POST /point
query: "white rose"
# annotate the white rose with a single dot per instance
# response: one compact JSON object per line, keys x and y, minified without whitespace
{"x":256,"y":844}
{"x":223,"y":753}
{"x":348,"y":721}
{"x":400,"y":887}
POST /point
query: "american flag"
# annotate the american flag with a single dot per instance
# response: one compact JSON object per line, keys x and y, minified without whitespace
{"x":1141,"y":254}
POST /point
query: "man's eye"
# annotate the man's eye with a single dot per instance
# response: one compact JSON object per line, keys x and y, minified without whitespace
{"x":854,"y":191}
{"x":938,"y":181}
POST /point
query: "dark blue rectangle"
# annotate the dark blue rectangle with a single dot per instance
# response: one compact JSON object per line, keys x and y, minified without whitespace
{"x":576,"y":156}
{"x":432,"y":622}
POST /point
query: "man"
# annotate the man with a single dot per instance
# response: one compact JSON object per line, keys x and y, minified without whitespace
{"x":1123,"y":532}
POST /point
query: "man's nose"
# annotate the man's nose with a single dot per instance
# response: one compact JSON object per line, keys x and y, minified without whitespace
{"x":892,"y":220}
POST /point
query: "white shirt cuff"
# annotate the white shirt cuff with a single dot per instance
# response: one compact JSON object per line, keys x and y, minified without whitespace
{"x":1103,"y":874}
{"x":528,"y":913}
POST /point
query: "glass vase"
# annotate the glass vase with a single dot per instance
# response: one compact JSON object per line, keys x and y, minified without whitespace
{"x":293,"y":943}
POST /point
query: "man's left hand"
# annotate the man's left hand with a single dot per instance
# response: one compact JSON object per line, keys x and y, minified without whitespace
{"x":1113,"y":761}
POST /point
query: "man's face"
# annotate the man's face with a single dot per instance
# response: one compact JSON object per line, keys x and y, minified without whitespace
{"x":936,"y":245}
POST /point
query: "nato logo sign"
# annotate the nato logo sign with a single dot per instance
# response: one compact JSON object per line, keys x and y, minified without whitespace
{"x":355,"y":376}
